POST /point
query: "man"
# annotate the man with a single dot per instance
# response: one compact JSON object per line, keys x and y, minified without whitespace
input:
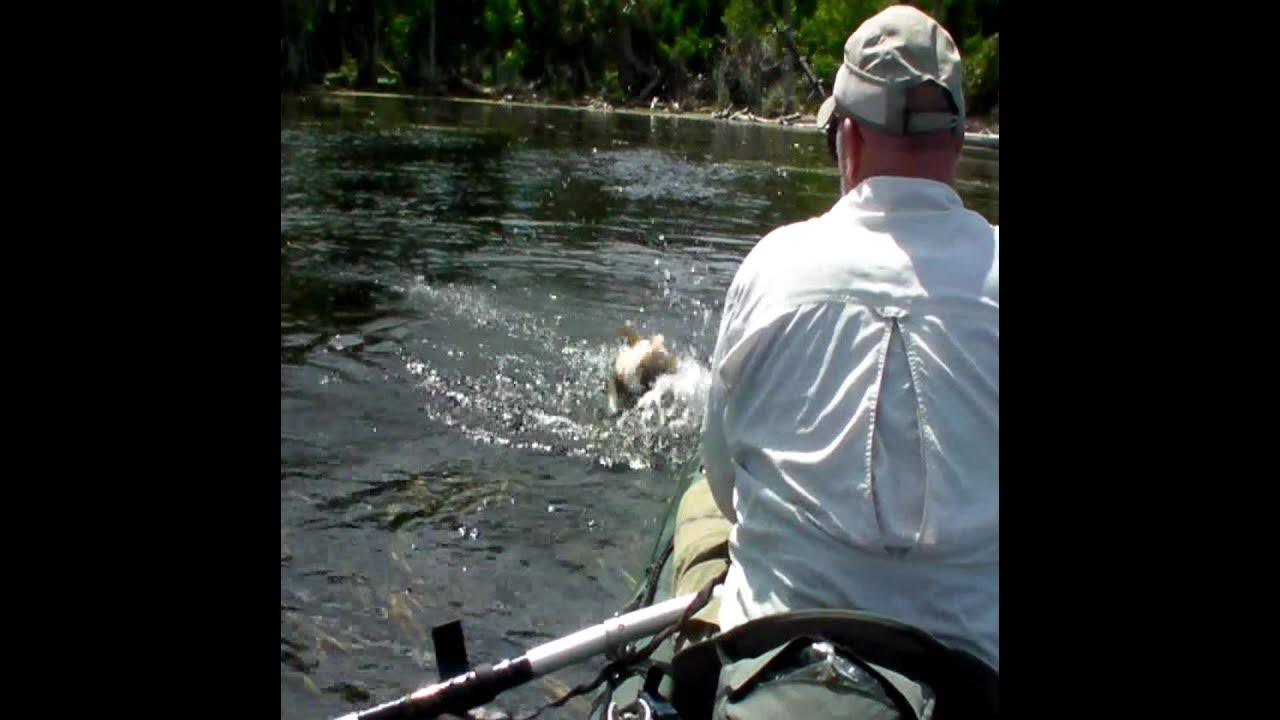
{"x":852,"y":428}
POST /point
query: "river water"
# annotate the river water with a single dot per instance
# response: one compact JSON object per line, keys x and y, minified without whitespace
{"x":453,"y":276}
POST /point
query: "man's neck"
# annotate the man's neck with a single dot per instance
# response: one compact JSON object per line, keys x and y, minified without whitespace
{"x":937,"y":172}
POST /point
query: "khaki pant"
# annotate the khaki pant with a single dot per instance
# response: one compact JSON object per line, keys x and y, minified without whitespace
{"x":701,"y":553}
{"x":771,"y":685}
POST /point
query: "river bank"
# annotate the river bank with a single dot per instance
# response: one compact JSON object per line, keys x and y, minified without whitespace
{"x":981,"y":131}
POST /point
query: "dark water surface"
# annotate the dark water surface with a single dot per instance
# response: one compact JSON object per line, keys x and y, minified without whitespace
{"x":452,"y":278}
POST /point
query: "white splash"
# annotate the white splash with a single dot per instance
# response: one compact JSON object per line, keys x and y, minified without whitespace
{"x":682,"y":391}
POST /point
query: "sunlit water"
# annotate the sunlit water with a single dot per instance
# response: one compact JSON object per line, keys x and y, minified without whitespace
{"x":453,"y":279}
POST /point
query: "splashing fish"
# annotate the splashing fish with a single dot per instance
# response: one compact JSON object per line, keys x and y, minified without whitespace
{"x":637,"y":367}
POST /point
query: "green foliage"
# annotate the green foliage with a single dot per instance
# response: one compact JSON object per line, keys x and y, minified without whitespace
{"x":695,"y":53}
{"x":400,"y":33}
{"x":503,"y":21}
{"x":612,"y":87}
{"x":617,"y":48}
{"x":513,"y":61}
{"x":775,"y":101}
{"x":981,"y":73}
{"x":745,"y":18}
{"x":823,"y":34}
{"x":344,"y":75}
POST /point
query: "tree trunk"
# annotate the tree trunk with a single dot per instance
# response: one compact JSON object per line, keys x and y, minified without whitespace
{"x":634,"y":67}
{"x":432,"y":71}
{"x":804,"y":66}
{"x":367,"y":73}
{"x":539,"y":38}
{"x":788,"y":83}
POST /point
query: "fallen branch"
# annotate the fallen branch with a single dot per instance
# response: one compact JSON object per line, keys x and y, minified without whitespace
{"x":795,"y":52}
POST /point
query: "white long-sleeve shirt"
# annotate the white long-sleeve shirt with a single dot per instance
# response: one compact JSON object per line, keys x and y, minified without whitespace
{"x":852,"y":432}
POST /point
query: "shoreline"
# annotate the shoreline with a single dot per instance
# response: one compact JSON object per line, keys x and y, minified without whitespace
{"x":980,"y":137}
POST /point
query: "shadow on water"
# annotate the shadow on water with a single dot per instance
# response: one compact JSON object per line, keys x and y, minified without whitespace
{"x":453,"y":276}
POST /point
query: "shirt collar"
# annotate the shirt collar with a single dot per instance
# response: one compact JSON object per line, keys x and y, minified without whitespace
{"x":898,"y":194}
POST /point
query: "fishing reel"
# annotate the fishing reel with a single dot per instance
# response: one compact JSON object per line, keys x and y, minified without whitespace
{"x":644,"y":707}
{"x":649,"y":704}
{"x":637,"y":710}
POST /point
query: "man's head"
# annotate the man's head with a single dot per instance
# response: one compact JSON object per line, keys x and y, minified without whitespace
{"x":897,"y":105}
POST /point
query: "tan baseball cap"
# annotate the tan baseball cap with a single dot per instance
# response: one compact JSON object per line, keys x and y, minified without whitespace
{"x":896,"y":50}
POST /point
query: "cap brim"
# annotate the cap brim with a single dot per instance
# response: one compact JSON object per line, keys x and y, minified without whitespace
{"x":825,"y":112}
{"x":854,"y":96}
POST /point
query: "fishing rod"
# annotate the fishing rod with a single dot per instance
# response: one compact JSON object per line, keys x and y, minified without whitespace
{"x":470,"y":688}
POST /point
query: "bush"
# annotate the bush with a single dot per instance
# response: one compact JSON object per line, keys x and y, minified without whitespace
{"x":982,"y":74}
{"x":775,"y":101}
{"x":345,"y":75}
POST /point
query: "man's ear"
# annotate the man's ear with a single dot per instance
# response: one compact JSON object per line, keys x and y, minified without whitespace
{"x":851,"y":140}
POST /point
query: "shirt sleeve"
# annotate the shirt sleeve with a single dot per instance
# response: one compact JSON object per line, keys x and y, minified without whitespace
{"x":717,"y":461}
